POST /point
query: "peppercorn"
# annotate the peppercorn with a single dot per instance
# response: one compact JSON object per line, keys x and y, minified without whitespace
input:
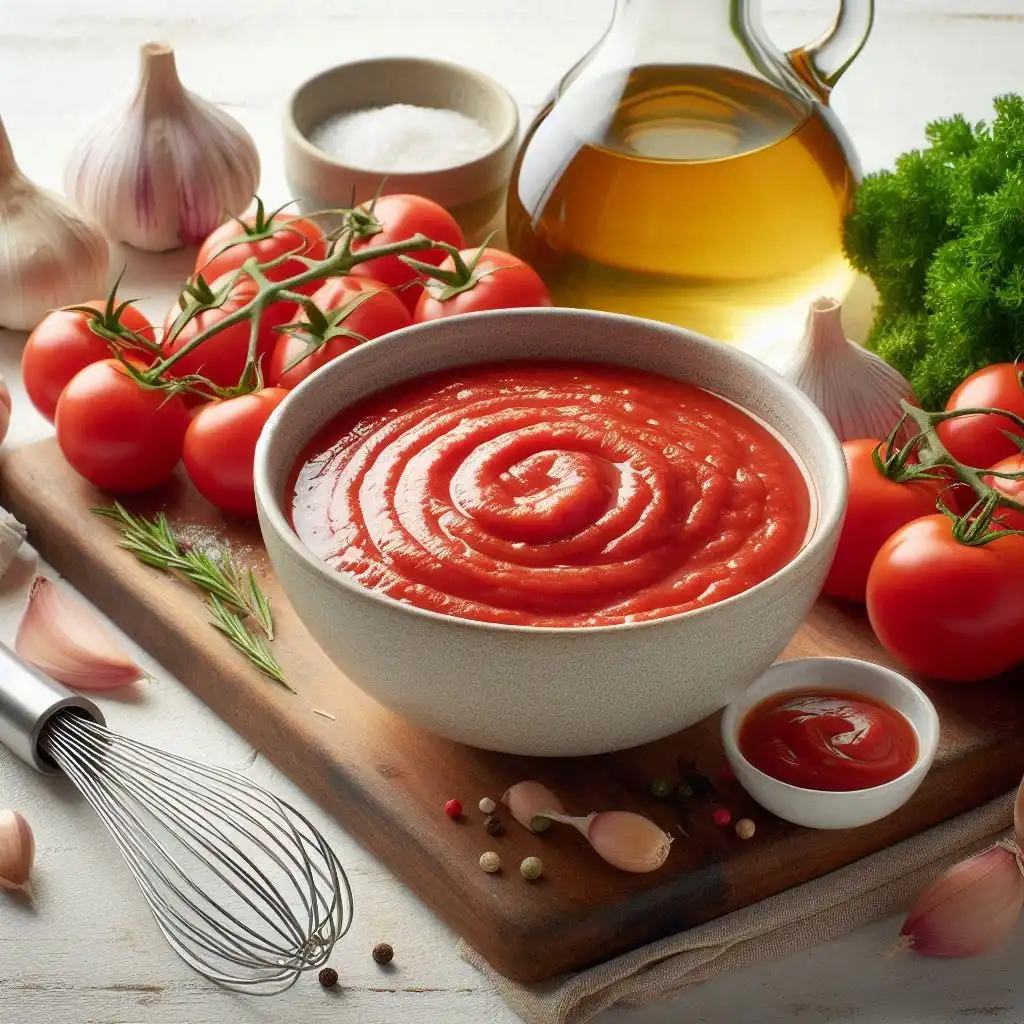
{"x":540,"y":823}
{"x":685,"y":791}
{"x":745,"y":828}
{"x":328,"y":977}
{"x":700,"y":784}
{"x":383,"y":953}
{"x":453,"y":808}
{"x":493,"y":825}
{"x":531,"y":868}
{"x":490,"y":862}
{"x":487,"y":805}
{"x":660,"y":788}
{"x":721,"y":816}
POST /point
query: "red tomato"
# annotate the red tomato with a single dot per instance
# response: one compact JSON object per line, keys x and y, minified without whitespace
{"x":381,"y":313}
{"x":505,"y":282}
{"x":401,"y":217}
{"x":220,"y":448}
{"x":227,"y":248}
{"x":117,"y":434}
{"x":62,"y":344}
{"x":221,"y":358}
{"x":946,"y":609}
{"x":875,"y":509}
{"x":979,"y":440}
{"x":1014,"y":488}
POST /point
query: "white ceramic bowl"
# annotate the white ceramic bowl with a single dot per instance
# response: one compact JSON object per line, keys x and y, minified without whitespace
{"x":547,"y":691}
{"x":815,"y":808}
{"x":473,"y":192}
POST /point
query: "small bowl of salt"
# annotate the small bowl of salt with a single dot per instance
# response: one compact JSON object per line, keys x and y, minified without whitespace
{"x":422,"y":126}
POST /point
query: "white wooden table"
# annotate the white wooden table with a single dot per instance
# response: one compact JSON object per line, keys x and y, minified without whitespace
{"x":89,"y":952}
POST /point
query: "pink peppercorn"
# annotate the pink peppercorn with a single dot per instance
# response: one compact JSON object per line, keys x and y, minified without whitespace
{"x":453,"y":808}
{"x":721,"y":816}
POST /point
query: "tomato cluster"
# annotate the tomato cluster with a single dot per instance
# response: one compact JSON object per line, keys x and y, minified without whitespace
{"x":944,"y":607}
{"x":124,"y":422}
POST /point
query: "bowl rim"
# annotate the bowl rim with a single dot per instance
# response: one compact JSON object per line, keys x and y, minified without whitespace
{"x":270,"y":493}
{"x":507,"y":138}
{"x":927,"y":728}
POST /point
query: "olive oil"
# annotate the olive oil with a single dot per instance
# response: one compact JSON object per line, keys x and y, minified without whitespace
{"x":696,"y":195}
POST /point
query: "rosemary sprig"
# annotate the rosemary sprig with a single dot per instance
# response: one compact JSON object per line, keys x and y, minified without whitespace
{"x":230,"y":596}
{"x":253,"y":646}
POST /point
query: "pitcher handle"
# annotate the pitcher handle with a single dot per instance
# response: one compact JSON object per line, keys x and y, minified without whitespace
{"x":822,"y":63}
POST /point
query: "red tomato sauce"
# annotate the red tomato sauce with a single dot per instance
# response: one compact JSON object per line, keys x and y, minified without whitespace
{"x":550,"y":494}
{"x":828,"y":741}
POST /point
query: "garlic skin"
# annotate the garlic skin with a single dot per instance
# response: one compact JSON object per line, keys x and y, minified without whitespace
{"x":12,"y":536}
{"x":17,"y":853}
{"x":49,"y":255}
{"x":1018,"y":815}
{"x":858,"y":392}
{"x":969,"y":908}
{"x":63,"y":638}
{"x":165,"y":170}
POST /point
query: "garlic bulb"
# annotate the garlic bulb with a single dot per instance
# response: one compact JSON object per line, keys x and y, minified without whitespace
{"x":164,"y":171}
{"x":49,"y":256}
{"x":858,"y":392}
{"x":12,"y":536}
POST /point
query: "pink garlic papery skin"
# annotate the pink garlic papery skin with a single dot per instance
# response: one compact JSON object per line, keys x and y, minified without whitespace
{"x":528,"y":800}
{"x":628,"y":841}
{"x":969,"y":908}
{"x":62,"y":637}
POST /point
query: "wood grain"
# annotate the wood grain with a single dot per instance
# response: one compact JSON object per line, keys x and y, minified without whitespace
{"x":387,"y":781}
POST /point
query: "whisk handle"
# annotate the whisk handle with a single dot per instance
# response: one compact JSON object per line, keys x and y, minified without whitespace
{"x":28,"y":700}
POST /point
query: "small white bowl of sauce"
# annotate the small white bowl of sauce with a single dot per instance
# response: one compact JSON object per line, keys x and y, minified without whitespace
{"x":830,"y":742}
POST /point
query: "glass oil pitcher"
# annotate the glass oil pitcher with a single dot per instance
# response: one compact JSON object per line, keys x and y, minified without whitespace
{"x":687,"y":170}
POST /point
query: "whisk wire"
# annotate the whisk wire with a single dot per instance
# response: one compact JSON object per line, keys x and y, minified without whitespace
{"x":243,"y":886}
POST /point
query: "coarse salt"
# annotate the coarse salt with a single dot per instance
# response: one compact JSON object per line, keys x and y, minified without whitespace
{"x":402,"y":138}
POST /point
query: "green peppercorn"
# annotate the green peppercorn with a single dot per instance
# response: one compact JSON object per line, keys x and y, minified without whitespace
{"x":685,"y":791}
{"x":539,"y":823}
{"x":531,"y":868}
{"x":660,"y":788}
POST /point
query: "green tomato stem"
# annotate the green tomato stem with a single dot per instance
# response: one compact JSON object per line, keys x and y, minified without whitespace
{"x":336,"y":264}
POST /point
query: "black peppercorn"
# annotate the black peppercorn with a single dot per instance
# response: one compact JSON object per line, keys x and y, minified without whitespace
{"x":328,"y":977}
{"x":699,"y":784}
{"x":493,"y":825}
{"x":383,"y":953}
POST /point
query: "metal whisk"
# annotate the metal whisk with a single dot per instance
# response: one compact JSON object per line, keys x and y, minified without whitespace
{"x":243,"y":887}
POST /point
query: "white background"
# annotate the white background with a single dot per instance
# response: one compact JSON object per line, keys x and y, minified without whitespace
{"x":90,"y":953}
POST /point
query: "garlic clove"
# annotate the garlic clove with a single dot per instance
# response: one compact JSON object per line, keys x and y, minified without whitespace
{"x":858,"y":392}
{"x":628,"y":841}
{"x":49,"y":255}
{"x":969,"y":908}
{"x":17,"y":852}
{"x":62,"y":637}
{"x":529,"y":800}
{"x":165,"y":170}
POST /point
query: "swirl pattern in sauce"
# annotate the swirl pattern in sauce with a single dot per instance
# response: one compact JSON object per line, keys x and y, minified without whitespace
{"x":550,"y":494}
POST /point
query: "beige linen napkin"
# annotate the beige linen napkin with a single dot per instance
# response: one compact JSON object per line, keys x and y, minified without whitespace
{"x":801,"y":917}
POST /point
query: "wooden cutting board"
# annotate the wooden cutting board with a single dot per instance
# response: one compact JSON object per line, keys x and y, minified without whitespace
{"x":387,"y":781}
